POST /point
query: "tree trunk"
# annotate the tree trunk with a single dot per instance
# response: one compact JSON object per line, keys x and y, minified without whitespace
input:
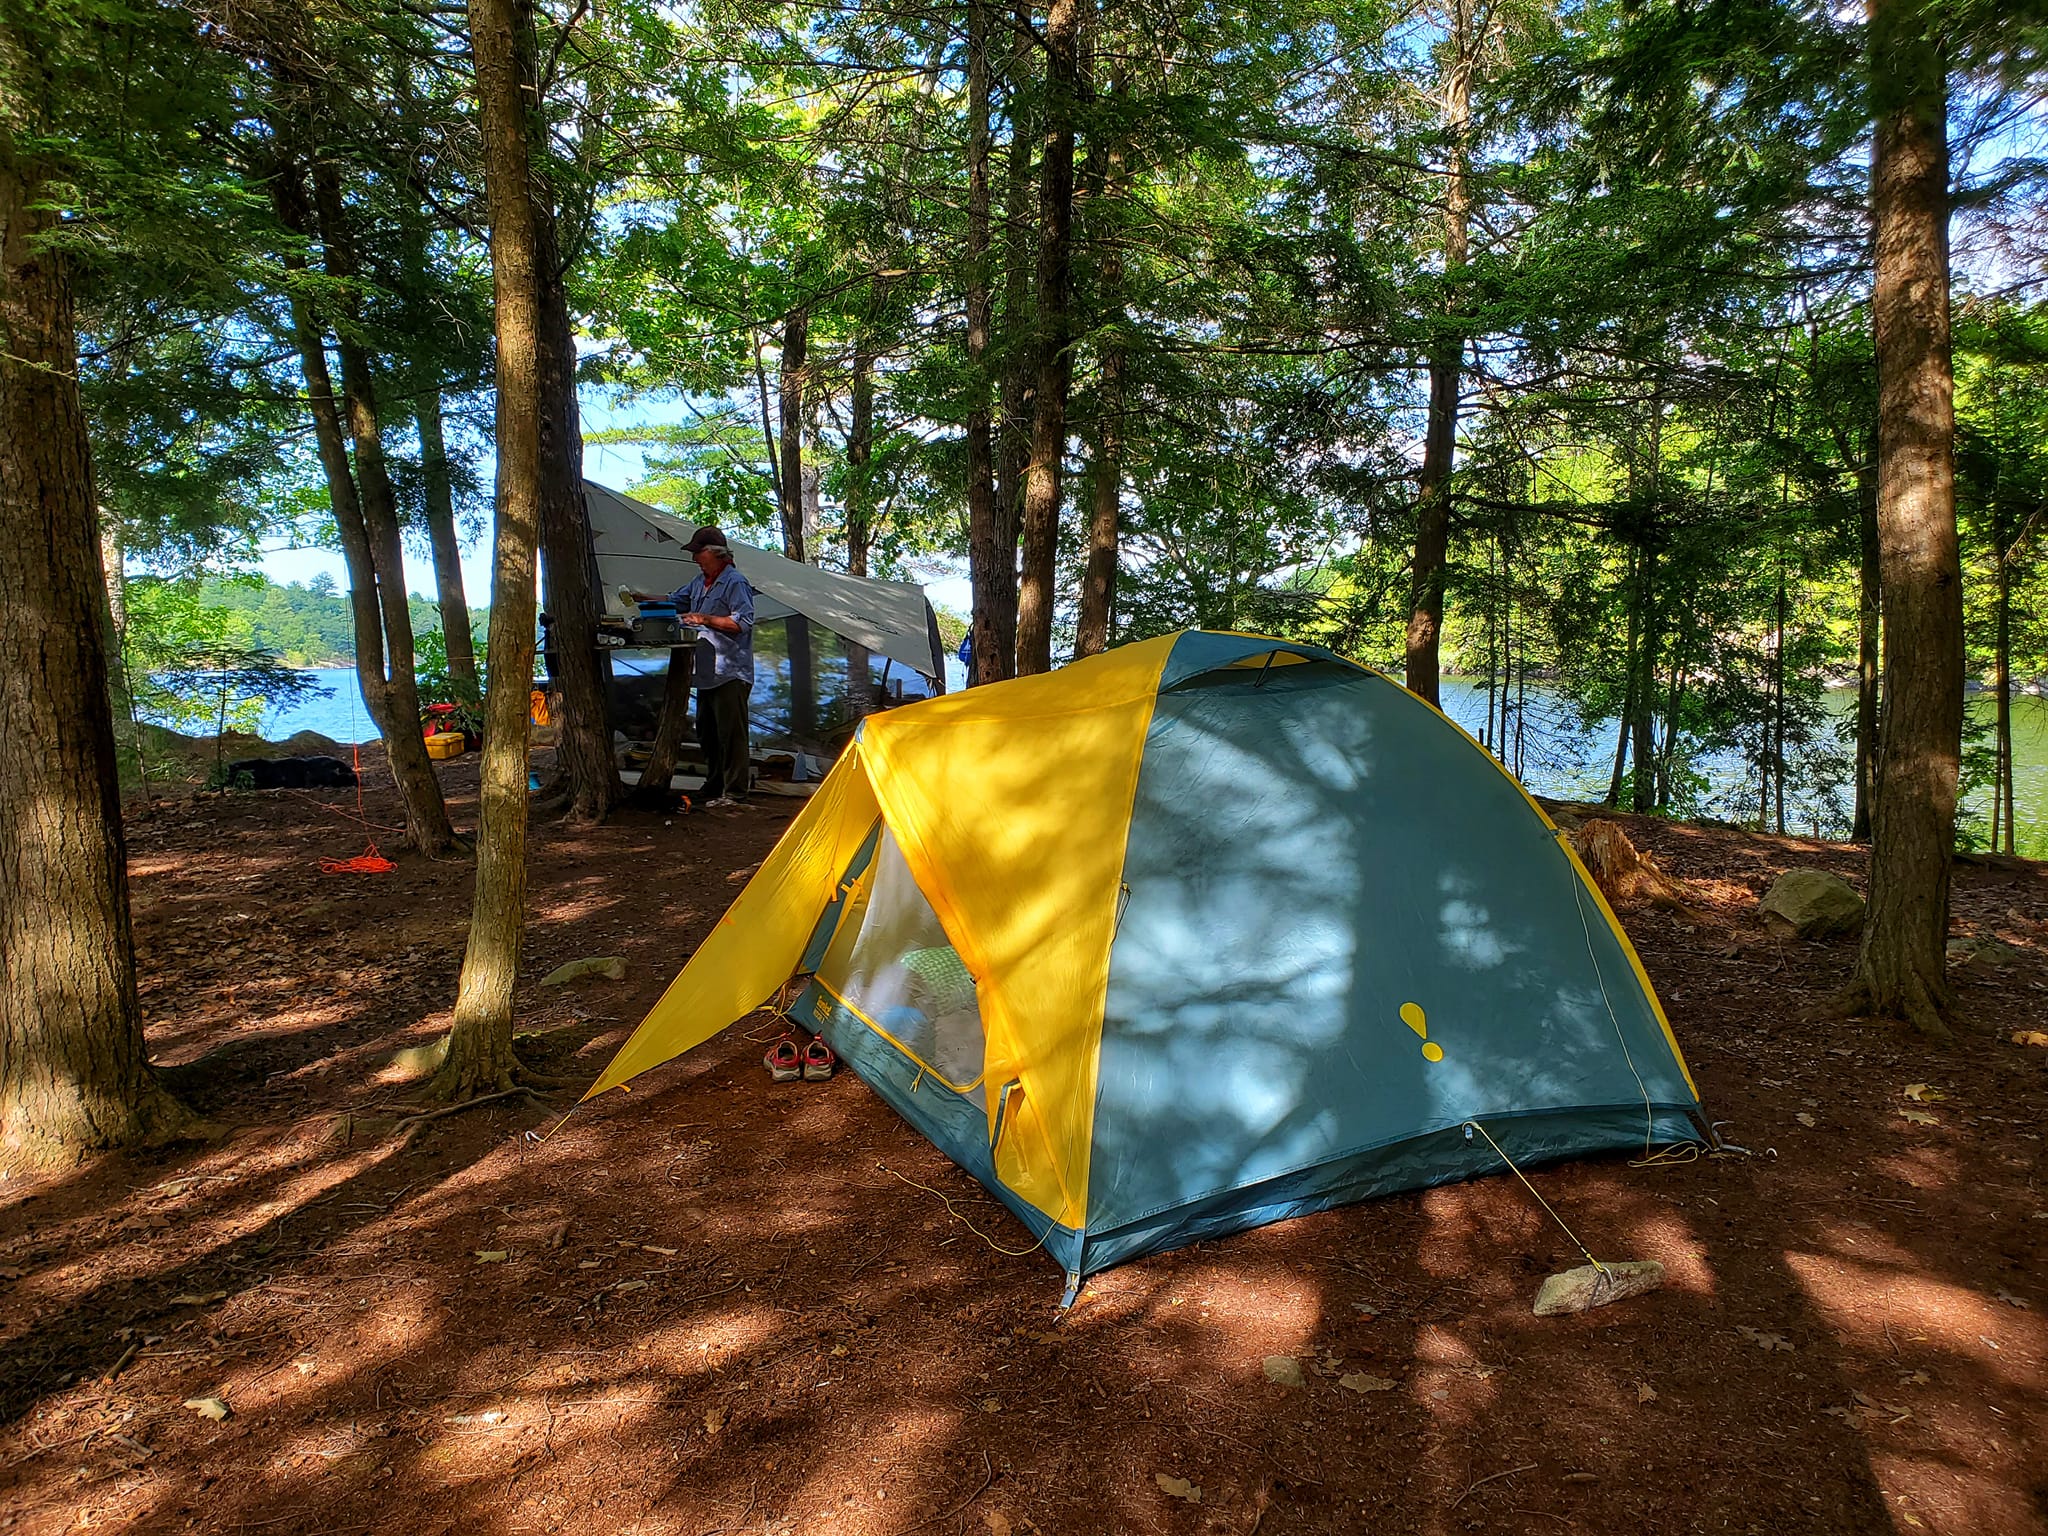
{"x":74,"y":1075}
{"x":2001,"y":688}
{"x":991,"y":565}
{"x":812,"y":489}
{"x":669,"y":730}
{"x":1643,"y":786}
{"x":1106,"y":468}
{"x":436,"y":482}
{"x":1628,"y":690}
{"x":583,"y":741}
{"x":331,"y":441}
{"x":439,"y":489}
{"x":114,"y":614}
{"x":480,"y":1058}
{"x":427,"y":827}
{"x":1055,"y":358}
{"x":796,"y":335}
{"x":1902,"y":963}
{"x":1020,"y":357}
{"x":860,"y":452}
{"x":860,"y":503}
{"x":1869,"y":586}
{"x":1105,"y":490}
{"x":767,"y":422}
{"x":1446,"y":366}
{"x":1778,"y":703}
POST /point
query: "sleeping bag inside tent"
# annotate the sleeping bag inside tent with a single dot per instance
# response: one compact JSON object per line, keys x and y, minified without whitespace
{"x":1199,"y":934}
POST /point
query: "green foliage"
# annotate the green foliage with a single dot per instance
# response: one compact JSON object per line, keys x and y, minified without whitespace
{"x":192,"y":664}
{"x":439,"y":685}
{"x":305,"y":626}
{"x":1661,"y":317}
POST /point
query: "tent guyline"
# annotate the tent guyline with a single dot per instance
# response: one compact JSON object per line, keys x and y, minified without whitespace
{"x":1229,"y":930}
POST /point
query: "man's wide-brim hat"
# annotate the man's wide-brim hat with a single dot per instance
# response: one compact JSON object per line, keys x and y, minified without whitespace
{"x":705,"y":538}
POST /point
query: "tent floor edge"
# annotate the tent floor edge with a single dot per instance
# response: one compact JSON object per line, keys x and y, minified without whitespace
{"x":1443,"y":1156}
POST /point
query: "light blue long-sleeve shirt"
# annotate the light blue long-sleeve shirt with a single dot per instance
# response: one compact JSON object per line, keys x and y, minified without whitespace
{"x":721,"y":658}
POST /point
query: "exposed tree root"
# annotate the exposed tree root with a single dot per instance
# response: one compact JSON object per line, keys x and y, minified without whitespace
{"x":413,"y":1122}
{"x":1917,"y":1010}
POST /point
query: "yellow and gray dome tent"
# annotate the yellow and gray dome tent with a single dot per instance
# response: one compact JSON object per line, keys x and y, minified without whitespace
{"x":1205,"y":932}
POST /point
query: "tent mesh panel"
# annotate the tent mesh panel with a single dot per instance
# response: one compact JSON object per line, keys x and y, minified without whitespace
{"x":904,"y":976}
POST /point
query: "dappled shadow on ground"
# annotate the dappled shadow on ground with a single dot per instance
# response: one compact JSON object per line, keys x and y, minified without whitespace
{"x":715,"y":1304}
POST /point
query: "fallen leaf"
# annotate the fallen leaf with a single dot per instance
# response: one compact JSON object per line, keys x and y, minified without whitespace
{"x":997,"y":1522}
{"x":1360,"y":1382}
{"x":1805,"y":1119}
{"x":714,"y":1420}
{"x":198,"y":1299}
{"x":1581,"y":1477}
{"x":1645,"y":1393}
{"x":2030,"y":1037}
{"x":208,"y":1407}
{"x":1283,"y":1371}
{"x":2013,"y":1301}
{"x":1179,"y":1487}
{"x":991,"y":1405}
{"x":666,"y":1253}
{"x":1918,"y":1117}
{"x":1768,"y":1342}
{"x":492,"y":1255}
{"x":838,"y":1350}
{"x":630,"y":1285}
{"x":1917,"y":1379}
{"x":1921,"y":1093}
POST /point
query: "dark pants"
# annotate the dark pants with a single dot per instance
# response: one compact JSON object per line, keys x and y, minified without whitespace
{"x":722,"y":733}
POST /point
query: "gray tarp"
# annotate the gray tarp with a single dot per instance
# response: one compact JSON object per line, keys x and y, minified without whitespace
{"x":641,"y":547}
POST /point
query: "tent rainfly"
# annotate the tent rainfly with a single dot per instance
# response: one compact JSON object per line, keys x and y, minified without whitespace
{"x":1227,"y":930}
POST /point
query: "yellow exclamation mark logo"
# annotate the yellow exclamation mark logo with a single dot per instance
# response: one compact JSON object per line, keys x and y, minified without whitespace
{"x":1413,"y":1016}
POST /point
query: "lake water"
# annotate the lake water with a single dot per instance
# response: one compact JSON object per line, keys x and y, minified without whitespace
{"x":1560,"y":758}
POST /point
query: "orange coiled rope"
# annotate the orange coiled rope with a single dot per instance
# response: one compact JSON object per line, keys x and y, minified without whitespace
{"x":369,"y":861}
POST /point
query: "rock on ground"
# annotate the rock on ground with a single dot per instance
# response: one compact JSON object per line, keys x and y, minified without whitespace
{"x":607,"y":967}
{"x":1581,"y":1289}
{"x":1811,"y":904}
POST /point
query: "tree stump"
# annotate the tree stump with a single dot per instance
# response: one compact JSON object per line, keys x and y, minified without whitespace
{"x":1624,"y":873}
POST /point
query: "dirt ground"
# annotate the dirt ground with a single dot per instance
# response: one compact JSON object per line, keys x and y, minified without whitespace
{"x":715,"y":1306}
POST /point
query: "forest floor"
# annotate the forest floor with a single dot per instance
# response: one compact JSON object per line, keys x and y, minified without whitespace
{"x":715,"y":1305}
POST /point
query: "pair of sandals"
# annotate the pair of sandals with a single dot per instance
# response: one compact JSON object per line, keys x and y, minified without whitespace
{"x":814,"y":1063}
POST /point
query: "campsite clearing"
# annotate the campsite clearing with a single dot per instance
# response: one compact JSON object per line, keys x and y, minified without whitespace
{"x":714,"y":1304}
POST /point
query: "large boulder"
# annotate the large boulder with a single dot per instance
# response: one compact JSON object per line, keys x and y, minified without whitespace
{"x":1811,"y":904}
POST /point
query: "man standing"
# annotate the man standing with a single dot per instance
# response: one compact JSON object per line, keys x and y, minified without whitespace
{"x":720,"y":604}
